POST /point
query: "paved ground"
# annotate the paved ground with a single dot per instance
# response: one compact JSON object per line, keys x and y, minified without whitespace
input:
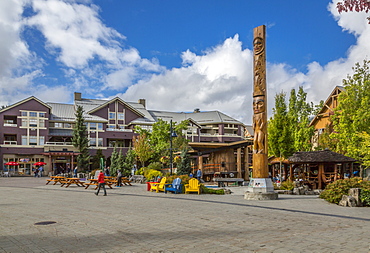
{"x":130,"y":219}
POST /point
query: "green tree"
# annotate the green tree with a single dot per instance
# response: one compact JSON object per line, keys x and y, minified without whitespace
{"x":114,"y":161}
{"x":80,"y":140}
{"x":299,"y":114}
{"x":142,"y":148}
{"x":129,"y":161}
{"x":351,"y":119}
{"x":159,"y":138}
{"x":184,"y":167}
{"x":279,"y":130}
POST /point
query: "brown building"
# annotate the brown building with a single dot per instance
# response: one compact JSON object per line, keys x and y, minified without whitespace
{"x":36,"y":131}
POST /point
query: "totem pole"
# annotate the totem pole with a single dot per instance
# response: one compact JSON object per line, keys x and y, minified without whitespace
{"x":260,"y":169}
{"x":260,"y":187}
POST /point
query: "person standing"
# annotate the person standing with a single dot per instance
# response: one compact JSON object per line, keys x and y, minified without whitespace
{"x":41,"y":170}
{"x":119,"y":178}
{"x":75,"y":172}
{"x":199,"y":175}
{"x":107,"y":172}
{"x":101,"y":183}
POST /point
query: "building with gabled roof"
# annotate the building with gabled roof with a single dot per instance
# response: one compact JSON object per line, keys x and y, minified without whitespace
{"x":322,"y":120}
{"x":32,"y":130}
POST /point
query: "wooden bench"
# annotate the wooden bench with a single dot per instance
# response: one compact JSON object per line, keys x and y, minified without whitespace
{"x":137,"y":179}
{"x":221,"y":181}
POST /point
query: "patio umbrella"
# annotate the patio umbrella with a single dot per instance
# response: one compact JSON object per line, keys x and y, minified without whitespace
{"x":39,"y":164}
{"x":11,"y":163}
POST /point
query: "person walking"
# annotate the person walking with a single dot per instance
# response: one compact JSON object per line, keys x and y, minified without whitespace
{"x":101,"y":183}
{"x":75,"y":172}
{"x":41,"y":170}
{"x":119,"y":178}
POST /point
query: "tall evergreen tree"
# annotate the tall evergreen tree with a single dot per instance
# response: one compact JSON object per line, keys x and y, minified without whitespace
{"x":80,"y":140}
{"x":114,"y":163}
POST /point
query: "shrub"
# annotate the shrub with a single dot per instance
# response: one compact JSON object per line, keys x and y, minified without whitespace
{"x":207,"y":190}
{"x":333,"y":192}
{"x":287,"y":185}
{"x":150,"y":174}
{"x":155,"y":166}
{"x":365,"y":197}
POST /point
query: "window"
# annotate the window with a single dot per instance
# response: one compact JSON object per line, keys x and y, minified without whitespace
{"x":92,"y":142}
{"x":24,"y":114}
{"x":121,"y":115}
{"x":24,"y":140}
{"x":58,"y":125}
{"x":41,"y":123}
{"x":67,"y":125}
{"x":100,"y":142}
{"x":100,"y":126}
{"x":42,"y":140}
{"x":24,"y":122}
{"x":92,"y":126}
{"x":33,"y":114}
{"x":33,"y":140}
{"x":41,"y":114}
{"x":33,"y":122}
{"x":112,"y":115}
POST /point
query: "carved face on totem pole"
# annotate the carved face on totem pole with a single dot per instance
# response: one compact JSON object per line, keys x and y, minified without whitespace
{"x":258,"y":45}
{"x":258,"y":105}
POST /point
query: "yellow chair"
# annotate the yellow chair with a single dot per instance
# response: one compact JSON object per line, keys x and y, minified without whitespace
{"x":159,"y":186}
{"x":192,"y":186}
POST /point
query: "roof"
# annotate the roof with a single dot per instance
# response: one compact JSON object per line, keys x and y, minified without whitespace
{"x":323,"y":156}
{"x":23,"y":101}
{"x":202,"y":118}
{"x":336,"y":90}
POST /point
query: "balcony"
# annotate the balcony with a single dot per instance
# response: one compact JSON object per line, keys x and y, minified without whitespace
{"x":59,"y":143}
{"x":10,"y":142}
{"x":119,"y":130}
{"x":10,"y":124}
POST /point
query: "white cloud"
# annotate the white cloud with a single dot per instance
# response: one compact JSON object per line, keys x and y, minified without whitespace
{"x":94,"y":59}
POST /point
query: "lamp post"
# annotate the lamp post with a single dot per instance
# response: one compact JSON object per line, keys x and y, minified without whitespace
{"x":172,"y":134}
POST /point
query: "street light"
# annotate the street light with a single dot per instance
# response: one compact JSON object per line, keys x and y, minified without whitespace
{"x":172,"y":134}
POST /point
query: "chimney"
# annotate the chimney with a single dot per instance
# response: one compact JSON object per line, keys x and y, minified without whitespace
{"x":78,"y":96}
{"x":142,"y":101}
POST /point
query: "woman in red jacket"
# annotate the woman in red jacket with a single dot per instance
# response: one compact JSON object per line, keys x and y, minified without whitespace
{"x":101,"y":183}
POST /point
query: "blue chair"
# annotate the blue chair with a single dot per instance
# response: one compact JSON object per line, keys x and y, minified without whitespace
{"x":175,"y":187}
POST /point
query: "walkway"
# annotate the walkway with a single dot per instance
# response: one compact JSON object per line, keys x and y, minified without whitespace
{"x":130,"y":219}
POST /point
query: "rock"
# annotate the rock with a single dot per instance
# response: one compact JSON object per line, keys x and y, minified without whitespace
{"x":348,"y":201}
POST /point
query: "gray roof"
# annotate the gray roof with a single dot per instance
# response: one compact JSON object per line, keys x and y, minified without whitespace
{"x":323,"y":156}
{"x":202,"y":118}
{"x":62,"y":112}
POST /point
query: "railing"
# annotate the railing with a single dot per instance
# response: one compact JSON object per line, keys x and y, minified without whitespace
{"x":119,"y":129}
{"x":10,"y":125}
{"x":59,"y":143}
{"x":10,"y":142}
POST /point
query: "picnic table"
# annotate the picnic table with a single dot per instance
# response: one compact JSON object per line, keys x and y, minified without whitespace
{"x":73,"y":180}
{"x":221,"y":181}
{"x":56,"y":179}
{"x":94,"y":181}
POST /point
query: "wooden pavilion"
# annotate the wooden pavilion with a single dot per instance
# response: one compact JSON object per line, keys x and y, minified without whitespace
{"x":319,"y":168}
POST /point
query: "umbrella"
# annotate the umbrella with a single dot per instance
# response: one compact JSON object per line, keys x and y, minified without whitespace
{"x":39,"y":164}
{"x":12,"y":163}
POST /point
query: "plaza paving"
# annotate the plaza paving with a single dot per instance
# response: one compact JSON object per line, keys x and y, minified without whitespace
{"x":130,"y":219}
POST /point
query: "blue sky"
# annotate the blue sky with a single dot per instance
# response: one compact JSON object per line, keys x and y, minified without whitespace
{"x":178,"y":55}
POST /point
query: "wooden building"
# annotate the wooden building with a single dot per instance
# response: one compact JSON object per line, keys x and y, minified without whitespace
{"x":322,"y":120}
{"x":319,"y":168}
